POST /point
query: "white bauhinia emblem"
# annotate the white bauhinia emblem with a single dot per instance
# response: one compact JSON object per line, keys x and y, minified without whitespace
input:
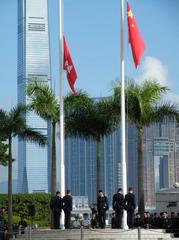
{"x":68,"y":67}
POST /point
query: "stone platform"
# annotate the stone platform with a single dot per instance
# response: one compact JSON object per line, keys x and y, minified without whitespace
{"x":96,"y":234}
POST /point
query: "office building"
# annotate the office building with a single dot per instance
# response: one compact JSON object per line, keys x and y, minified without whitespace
{"x":80,"y":164}
{"x":160,"y":141}
{"x":33,"y":65}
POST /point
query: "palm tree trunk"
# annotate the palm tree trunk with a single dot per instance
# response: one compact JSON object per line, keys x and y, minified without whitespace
{"x":10,"y":186}
{"x":140,"y":173}
{"x":53,"y":167}
{"x":97,"y":166}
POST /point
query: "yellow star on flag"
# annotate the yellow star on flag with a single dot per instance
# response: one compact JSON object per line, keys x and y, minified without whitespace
{"x":129,"y":14}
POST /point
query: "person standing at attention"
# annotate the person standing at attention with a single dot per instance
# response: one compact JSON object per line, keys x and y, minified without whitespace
{"x":129,"y":206}
{"x":102,"y":206}
{"x":118,"y":207}
{"x":56,"y":207}
{"x":67,"y":207}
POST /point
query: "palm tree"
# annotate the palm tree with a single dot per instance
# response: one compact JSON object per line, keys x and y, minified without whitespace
{"x":89,"y":118}
{"x":13,"y":124}
{"x":44,"y":103}
{"x":143,"y":109}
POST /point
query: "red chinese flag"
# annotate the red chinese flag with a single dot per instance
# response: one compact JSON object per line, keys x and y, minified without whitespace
{"x":69,"y":67}
{"x":135,"y":39}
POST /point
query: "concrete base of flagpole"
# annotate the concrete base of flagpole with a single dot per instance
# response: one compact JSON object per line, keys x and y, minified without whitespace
{"x":124,"y":221}
{"x":62,"y":220}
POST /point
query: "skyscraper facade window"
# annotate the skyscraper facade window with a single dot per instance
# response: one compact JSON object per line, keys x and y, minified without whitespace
{"x":33,"y":65}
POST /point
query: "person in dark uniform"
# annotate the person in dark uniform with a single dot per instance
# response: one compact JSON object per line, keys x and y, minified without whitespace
{"x":118,"y":207}
{"x":173,"y":220}
{"x":2,"y":211}
{"x":67,"y":207}
{"x":165,"y":222}
{"x":94,"y":216}
{"x":102,"y":206}
{"x":2,"y":223}
{"x":155,"y":221}
{"x":113,"y":220}
{"x":56,"y":207}
{"x":129,"y":206}
{"x":147,"y":220}
{"x":22,"y":225}
{"x":138,"y":222}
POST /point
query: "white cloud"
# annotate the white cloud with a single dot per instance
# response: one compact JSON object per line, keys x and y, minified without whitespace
{"x":153,"y":68}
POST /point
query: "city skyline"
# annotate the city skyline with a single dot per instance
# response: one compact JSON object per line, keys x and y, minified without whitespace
{"x":94,"y":43}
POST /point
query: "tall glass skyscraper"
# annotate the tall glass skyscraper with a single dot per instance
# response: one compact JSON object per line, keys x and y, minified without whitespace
{"x":33,"y":64}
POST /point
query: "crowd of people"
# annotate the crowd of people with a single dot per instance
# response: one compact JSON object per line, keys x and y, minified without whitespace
{"x":162,"y":220}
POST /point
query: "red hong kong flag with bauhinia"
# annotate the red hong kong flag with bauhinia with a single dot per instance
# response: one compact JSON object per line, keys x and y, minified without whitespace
{"x":135,"y":39}
{"x":69,"y":67}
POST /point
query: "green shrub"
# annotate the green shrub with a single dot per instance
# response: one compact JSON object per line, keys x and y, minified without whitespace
{"x":20,"y":203}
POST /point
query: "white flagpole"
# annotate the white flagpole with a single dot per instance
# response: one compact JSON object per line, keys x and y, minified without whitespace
{"x":123,"y":126}
{"x":62,"y":162}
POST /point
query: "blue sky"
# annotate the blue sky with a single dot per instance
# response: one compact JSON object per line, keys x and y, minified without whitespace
{"x":92,"y":30}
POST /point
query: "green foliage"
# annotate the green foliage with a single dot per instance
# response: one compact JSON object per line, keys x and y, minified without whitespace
{"x":89,"y":118}
{"x":21,"y":201}
{"x":3,"y":153}
{"x":144,"y":104}
{"x":43,"y":101}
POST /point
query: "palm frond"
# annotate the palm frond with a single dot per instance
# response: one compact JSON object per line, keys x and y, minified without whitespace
{"x":33,"y":136}
{"x":151,"y":91}
{"x":88,"y":118}
{"x":166,"y":110}
{"x":43,"y":101}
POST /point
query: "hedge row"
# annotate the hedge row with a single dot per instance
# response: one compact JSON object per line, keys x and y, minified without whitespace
{"x":20,"y":205}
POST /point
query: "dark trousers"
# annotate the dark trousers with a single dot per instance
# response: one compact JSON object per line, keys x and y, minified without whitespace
{"x":102,"y":219}
{"x":130,"y":219}
{"x":56,"y":219}
{"x":1,"y":236}
{"x":67,"y":219}
{"x":119,"y":215}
